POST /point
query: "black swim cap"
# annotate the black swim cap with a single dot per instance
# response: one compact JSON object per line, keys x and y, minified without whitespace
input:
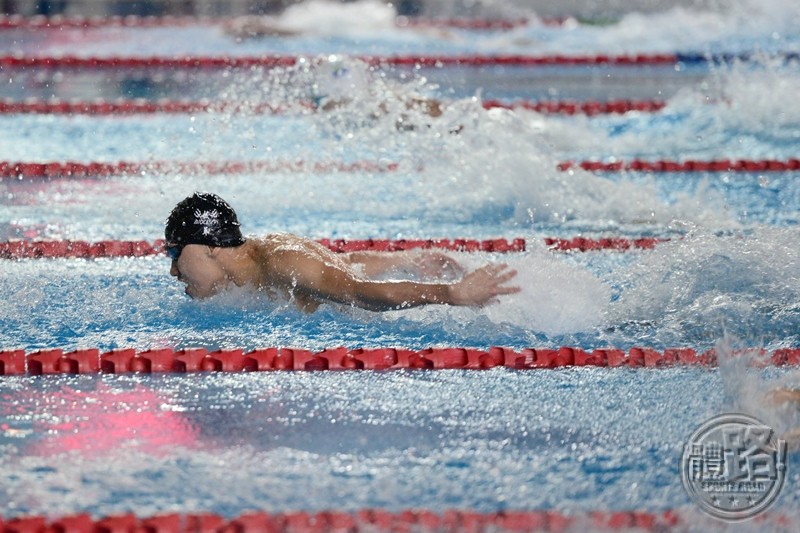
{"x":203,"y":218}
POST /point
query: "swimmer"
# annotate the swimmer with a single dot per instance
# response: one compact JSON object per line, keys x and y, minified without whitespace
{"x":337,"y":82}
{"x":255,"y":26}
{"x":787,"y":400}
{"x":209,"y":254}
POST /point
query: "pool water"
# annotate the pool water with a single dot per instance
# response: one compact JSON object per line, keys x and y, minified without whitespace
{"x":572,"y":440}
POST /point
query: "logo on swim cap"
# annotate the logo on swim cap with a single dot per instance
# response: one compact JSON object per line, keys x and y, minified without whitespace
{"x":208,"y":219}
{"x":203,"y":218}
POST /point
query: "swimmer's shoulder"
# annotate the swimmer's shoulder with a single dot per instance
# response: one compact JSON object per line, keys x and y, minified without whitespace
{"x":282,"y":240}
{"x":280,"y":243}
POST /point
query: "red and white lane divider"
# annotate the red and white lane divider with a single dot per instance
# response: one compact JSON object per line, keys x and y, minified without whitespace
{"x":19,"y":249}
{"x":663,"y":166}
{"x":18,"y":170}
{"x":62,"y":22}
{"x":122,"y":106}
{"x":273,"y":61}
{"x":93,"y":361}
{"x":378,"y":520}
{"x":96,"y":169}
{"x":586,"y":244}
{"x":589,"y":107}
{"x":141,"y":106}
{"x":83,"y":249}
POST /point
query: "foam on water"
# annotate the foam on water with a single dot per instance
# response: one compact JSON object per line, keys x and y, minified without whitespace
{"x":469,"y":165}
{"x":323,"y":17}
{"x":558,"y":298}
{"x":330,"y":27}
{"x":733,"y":27}
{"x":502,"y":145}
{"x":728,"y":117}
{"x":749,"y":388}
{"x":704,"y":285}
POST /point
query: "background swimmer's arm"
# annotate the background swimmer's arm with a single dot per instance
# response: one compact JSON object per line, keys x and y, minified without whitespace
{"x":311,"y":275}
{"x":253,"y":26}
{"x":778,"y":396}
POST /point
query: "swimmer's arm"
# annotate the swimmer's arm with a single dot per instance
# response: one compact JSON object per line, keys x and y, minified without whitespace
{"x":320,"y":279}
{"x":256,"y":26}
{"x":427,"y":263}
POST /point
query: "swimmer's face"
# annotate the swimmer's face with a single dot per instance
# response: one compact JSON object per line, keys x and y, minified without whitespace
{"x":197,"y":267}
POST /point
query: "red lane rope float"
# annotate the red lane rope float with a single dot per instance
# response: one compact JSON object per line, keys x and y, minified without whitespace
{"x":131,"y":107}
{"x":83,"y":249}
{"x":126,"y":360}
{"x":70,"y":169}
{"x":590,"y":108}
{"x":19,"y":170}
{"x":666,"y":166}
{"x":473,"y":24}
{"x":270,"y":61}
{"x":584,"y":244}
{"x":140,"y":106}
{"x":375,"y":520}
{"x":58,"y":22}
{"x":110,"y":249}
{"x":372,"y":520}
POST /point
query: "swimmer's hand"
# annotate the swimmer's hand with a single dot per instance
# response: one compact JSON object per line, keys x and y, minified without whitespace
{"x":482,"y":286}
{"x":792,"y":438}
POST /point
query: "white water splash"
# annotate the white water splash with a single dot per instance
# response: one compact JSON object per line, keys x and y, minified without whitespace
{"x":704,"y":284}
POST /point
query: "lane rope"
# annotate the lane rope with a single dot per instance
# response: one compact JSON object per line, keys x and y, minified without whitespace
{"x":141,"y":106}
{"x":690,"y":165}
{"x":8,"y":22}
{"x":111,"y":248}
{"x":26,"y":249}
{"x":18,"y":170}
{"x":589,"y":107}
{"x":93,"y":361}
{"x":373,"y":520}
{"x":413,"y":61}
{"x":71,"y":169}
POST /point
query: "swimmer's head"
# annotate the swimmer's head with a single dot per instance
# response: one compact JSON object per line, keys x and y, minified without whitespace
{"x":340,"y":78}
{"x":202,"y":218}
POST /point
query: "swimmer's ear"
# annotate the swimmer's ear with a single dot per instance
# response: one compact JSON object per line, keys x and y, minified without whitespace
{"x":212,"y":251}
